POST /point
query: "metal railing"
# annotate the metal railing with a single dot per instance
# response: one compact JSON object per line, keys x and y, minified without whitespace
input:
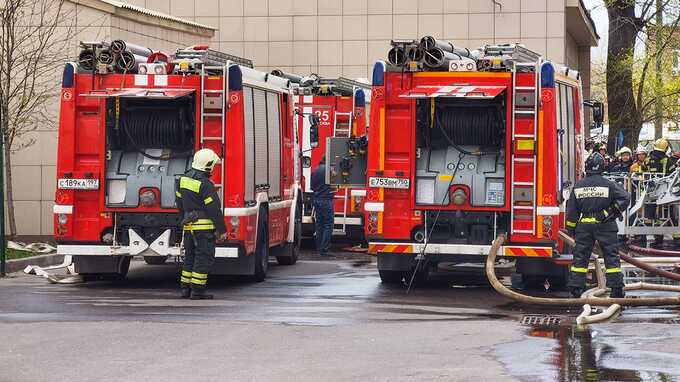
{"x":655,"y":203}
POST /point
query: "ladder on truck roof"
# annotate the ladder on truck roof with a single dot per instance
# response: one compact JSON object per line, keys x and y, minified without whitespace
{"x":213,"y":100}
{"x":344,"y":132}
{"x":525,"y":106}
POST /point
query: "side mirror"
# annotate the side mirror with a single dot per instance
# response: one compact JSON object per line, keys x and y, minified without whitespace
{"x":306,"y":162}
{"x":314,"y":130}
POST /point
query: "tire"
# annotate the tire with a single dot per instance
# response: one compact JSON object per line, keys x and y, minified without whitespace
{"x":123,"y":268}
{"x":290,"y":252}
{"x":421,"y":276}
{"x":262,"y":247}
{"x":155,"y":260}
{"x":391,"y":277}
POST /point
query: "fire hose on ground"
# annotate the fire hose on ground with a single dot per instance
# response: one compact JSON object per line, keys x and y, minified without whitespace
{"x":586,"y":298}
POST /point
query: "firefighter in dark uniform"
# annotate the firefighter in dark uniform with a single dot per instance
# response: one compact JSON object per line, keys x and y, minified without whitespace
{"x":202,"y":223}
{"x":592,"y":209}
{"x":658,"y":161}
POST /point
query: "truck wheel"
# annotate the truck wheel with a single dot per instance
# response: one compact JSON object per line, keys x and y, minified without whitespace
{"x":124,"y":268}
{"x":421,"y":276}
{"x":262,"y":247}
{"x":291,"y":251}
{"x":155,"y":260}
{"x":391,"y":277}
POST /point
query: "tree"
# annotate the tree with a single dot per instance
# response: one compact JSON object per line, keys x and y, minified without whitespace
{"x":633,"y":91}
{"x":35,"y":37}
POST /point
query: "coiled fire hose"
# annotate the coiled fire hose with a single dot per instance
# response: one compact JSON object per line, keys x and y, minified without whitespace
{"x":595,"y":301}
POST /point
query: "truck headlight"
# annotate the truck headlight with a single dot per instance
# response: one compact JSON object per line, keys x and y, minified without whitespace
{"x":62,"y":219}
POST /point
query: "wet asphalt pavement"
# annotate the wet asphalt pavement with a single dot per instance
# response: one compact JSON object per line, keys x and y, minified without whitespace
{"x":319,"y":320}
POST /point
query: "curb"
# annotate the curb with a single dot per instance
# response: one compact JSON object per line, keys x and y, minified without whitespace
{"x":19,"y":265}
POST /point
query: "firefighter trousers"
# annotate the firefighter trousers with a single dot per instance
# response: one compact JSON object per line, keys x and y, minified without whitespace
{"x":323,"y":218}
{"x":199,"y":257}
{"x":586,"y":236}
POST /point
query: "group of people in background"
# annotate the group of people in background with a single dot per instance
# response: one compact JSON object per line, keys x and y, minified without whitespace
{"x":659,"y":160}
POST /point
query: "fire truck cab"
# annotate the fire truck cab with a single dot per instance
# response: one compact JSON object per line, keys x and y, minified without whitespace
{"x":489,"y":144}
{"x":339,"y":110}
{"x":125,"y":138}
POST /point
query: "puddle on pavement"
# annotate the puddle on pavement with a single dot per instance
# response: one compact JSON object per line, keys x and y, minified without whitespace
{"x":611,"y":352}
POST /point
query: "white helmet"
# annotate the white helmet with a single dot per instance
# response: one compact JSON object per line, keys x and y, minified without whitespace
{"x":622,"y":150}
{"x":204,"y":160}
{"x":641,"y":150}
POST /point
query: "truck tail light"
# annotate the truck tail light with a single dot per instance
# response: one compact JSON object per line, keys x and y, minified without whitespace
{"x":372,"y":223}
{"x":62,"y":224}
{"x":547,"y":226}
{"x":233,"y":233}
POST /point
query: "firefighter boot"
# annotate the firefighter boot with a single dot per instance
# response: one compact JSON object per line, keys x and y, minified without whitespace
{"x":185,"y":291}
{"x":199,"y":294}
{"x":617,"y":293}
{"x":576,"y":292}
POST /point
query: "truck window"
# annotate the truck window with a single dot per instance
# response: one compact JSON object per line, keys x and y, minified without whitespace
{"x":261,"y":154}
{"x":249,"y":143}
{"x":274,"y":133}
{"x":571,"y":117}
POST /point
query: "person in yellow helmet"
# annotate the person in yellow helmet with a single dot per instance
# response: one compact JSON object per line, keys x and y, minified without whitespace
{"x":202,"y":223}
{"x":658,"y":161}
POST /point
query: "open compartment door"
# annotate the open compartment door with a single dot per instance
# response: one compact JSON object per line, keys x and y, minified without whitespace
{"x":346,"y":162}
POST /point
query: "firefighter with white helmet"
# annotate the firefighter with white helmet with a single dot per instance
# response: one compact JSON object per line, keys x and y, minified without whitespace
{"x":594,"y":204}
{"x":640,"y":157}
{"x":624,"y":159}
{"x":202,"y":223}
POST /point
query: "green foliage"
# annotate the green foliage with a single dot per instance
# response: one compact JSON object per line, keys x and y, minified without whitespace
{"x":13,"y":254}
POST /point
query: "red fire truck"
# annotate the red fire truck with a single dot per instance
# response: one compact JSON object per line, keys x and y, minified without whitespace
{"x":340,"y":107}
{"x":488,"y":143}
{"x":125,"y":138}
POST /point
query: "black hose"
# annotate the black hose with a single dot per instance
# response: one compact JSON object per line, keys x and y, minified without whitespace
{"x":294,"y":78}
{"x":157,"y":127}
{"x":470,"y":126}
{"x":437,"y":58}
{"x":128,"y":62}
{"x":396,"y":56}
{"x":86,"y":59}
{"x":106,"y":57}
{"x":429,"y":42}
{"x":120,"y":46}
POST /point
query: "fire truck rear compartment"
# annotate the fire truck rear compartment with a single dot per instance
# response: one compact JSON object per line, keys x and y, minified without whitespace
{"x":460,"y":166}
{"x":149,"y":144}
